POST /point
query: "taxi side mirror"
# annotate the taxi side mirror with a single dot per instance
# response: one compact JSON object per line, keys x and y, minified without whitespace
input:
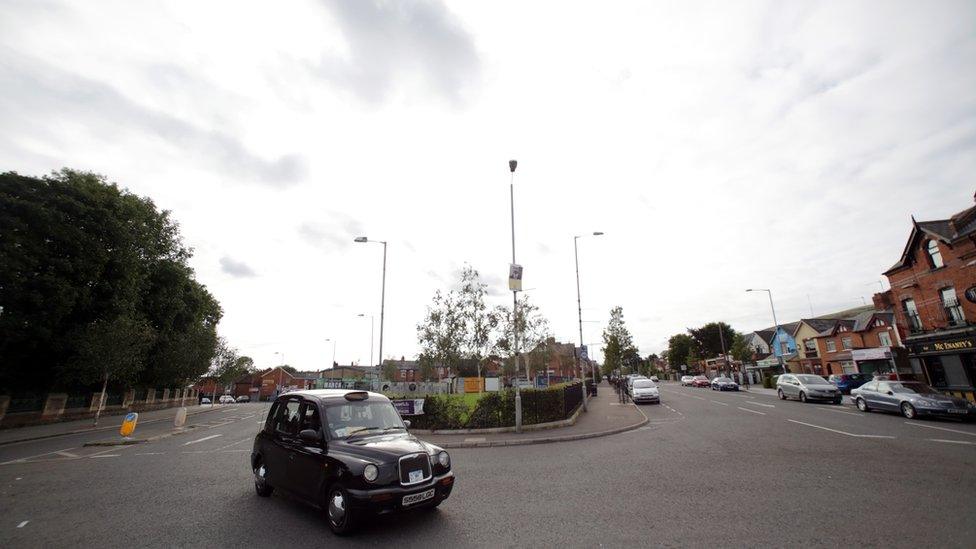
{"x":406,"y":423}
{"x":310,"y":436}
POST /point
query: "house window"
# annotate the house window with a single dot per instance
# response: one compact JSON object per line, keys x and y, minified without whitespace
{"x":846,"y":342}
{"x":885,"y":339}
{"x":935,"y":256}
{"x":911,"y":312}
{"x":951,"y":305}
{"x":783,"y":348}
{"x":831,"y":346}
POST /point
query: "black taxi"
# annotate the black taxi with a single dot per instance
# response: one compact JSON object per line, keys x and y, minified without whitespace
{"x":348,"y":453}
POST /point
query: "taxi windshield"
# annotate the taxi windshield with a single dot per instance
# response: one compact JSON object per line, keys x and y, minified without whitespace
{"x":361,"y":417}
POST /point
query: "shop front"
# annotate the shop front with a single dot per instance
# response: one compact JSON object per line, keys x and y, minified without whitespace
{"x":883,"y":360}
{"x":947,"y":361}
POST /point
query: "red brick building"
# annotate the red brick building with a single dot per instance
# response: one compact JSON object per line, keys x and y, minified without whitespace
{"x":933,"y":289}
{"x":868,"y":344}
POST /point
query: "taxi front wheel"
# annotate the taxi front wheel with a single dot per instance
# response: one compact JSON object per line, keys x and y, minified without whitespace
{"x":261,"y":485}
{"x":338,"y":512}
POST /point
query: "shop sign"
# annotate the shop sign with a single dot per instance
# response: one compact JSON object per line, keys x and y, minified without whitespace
{"x":877,"y":353}
{"x":964,"y":344}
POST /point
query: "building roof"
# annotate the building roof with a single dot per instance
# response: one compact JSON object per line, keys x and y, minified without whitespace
{"x":951,"y":230}
{"x":818,"y":324}
{"x":766,"y":335}
{"x":847,"y":322}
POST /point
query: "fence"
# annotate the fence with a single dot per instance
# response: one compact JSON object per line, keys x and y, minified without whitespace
{"x":24,"y":410}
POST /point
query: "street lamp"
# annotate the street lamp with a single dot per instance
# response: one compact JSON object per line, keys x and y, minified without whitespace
{"x":782,"y":364}
{"x":512,"y":164}
{"x":372,"y":323}
{"x":363,"y":239}
{"x":333,"y":350}
{"x":579,"y":310}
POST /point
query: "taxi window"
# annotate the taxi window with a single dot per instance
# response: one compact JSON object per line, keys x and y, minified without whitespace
{"x":310,"y":418}
{"x":287,"y":422}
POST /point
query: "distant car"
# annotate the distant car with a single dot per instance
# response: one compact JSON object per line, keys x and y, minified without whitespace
{"x":700,"y":381}
{"x":645,"y":390}
{"x":686,"y":380}
{"x":807,"y":387}
{"x":911,"y":398}
{"x":654,"y":379}
{"x":205,"y":400}
{"x":244,"y":398}
{"x":724,"y":384}
{"x":226,"y":399}
{"x":846,"y":382}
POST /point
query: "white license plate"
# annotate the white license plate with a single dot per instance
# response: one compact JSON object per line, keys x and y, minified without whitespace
{"x":953,"y":411}
{"x":417,"y":498}
{"x":416,"y":476}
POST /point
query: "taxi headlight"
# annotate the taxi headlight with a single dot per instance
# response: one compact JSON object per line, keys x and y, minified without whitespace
{"x":444,"y":459}
{"x":370,"y":473}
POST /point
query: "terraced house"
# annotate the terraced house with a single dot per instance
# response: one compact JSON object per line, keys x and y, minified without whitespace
{"x":933,"y":288}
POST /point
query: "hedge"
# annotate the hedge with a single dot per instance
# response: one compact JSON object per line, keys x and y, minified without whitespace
{"x":497,"y":409}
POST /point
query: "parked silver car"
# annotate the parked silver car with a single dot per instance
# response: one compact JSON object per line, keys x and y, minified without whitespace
{"x":806,"y":387}
{"x":911,"y":398}
{"x":645,"y":390}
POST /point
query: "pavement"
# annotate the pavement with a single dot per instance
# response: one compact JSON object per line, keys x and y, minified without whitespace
{"x":708,"y":469}
{"x":605,"y":416}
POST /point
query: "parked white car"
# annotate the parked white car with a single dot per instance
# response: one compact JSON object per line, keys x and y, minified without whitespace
{"x":630,"y":382}
{"x":655,"y":379}
{"x":226,"y":399}
{"x":686,"y":381}
{"x":205,"y":400}
{"x":645,"y":390}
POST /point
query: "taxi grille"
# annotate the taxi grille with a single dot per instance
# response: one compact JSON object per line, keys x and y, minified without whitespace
{"x":413,"y":463}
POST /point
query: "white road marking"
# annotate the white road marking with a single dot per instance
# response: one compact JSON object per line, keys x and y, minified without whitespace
{"x":150,"y":453}
{"x":941,"y":428}
{"x":696,"y":396}
{"x":838,"y":432}
{"x":966,"y":442}
{"x":234,"y":444}
{"x":22,"y":460}
{"x":18,"y":478}
{"x":841,"y":412}
{"x":202,"y":439}
{"x":67,"y":454}
{"x":717,"y":402}
{"x":105,"y":456}
{"x":761,"y":404}
{"x":22,"y":524}
{"x":751,"y":411}
{"x":227,"y":410}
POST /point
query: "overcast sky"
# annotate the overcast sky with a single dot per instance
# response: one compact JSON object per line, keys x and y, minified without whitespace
{"x":719,"y":146}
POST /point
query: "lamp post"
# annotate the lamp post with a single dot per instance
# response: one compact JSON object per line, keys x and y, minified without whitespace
{"x":782,"y":365}
{"x":333,"y":350}
{"x":579,"y":311}
{"x":512,"y":164}
{"x":382,"y":293}
{"x":372,"y":323}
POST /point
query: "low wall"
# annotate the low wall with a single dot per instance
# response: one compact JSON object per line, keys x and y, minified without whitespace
{"x":56,"y":407}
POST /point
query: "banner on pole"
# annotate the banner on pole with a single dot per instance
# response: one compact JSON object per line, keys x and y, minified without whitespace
{"x":515,"y":277}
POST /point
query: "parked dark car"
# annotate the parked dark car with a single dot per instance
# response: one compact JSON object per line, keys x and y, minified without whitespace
{"x":911,"y":398}
{"x":348,"y":453}
{"x":846,"y":382}
{"x":700,"y":381}
{"x":724,"y":384}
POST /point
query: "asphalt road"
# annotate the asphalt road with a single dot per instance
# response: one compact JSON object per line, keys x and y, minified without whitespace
{"x":710,"y":469}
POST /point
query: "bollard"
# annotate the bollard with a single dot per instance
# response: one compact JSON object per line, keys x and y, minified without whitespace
{"x":129,"y":424}
{"x":180,"y":418}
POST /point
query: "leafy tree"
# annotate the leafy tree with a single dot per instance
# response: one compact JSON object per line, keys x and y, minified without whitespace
{"x":81,"y":259}
{"x":708,"y":339}
{"x":618,"y":344}
{"x":680,"y":347}
{"x":427,"y":372}
{"x":528,"y":327}
{"x":740,"y":349}
{"x":480,"y":321}
{"x":389,"y":370}
{"x":443,"y":332}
